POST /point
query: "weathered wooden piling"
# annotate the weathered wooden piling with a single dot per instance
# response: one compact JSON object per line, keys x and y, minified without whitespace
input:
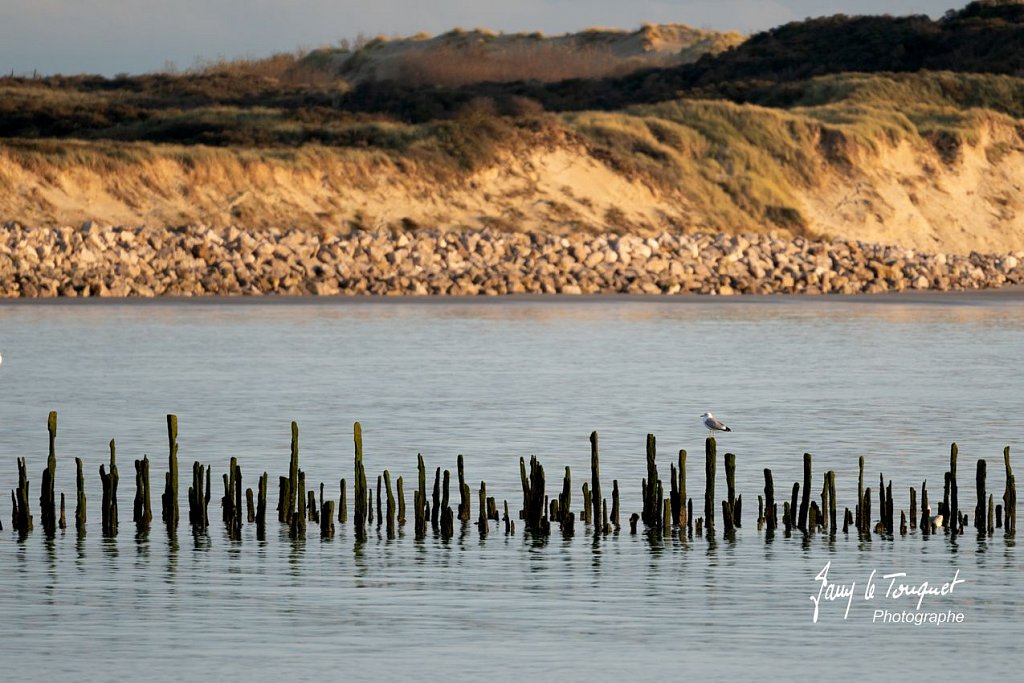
{"x":435,"y":510}
{"x":999,"y":516}
{"x":401,"y":502}
{"x":861,"y":524}
{"x":926,"y":522}
{"x":47,"y":502}
{"x":360,"y":484}
{"x":380,"y":497}
{"x":261,"y":507}
{"x":595,"y":480}
{"x":730,"y":483}
{"x":312,"y":509}
{"x":109,"y":501}
{"x":787,"y":514}
{"x":806,"y":500}
{"x":889,"y":526}
{"x":991,"y":514}
{"x":649,"y":514}
{"x":298,"y":525}
{"x":606,"y":527}
{"x":1009,"y":495}
{"x":633,"y":519}
{"x":954,"y":502}
{"x":682,"y":518}
{"x":169,"y":499}
{"x":507,"y":520}
{"x":533,"y":495}
{"x":689,"y":517}
{"x":447,"y":517}
{"x":866,"y":513}
{"x":813,"y":515}
{"x":196,"y":504}
{"x":847,"y":520}
{"x":913,"y":508}
{"x":343,"y":501}
{"x":142,"y":513}
{"x":80,"y":507}
{"x":565,"y":499}
{"x":392,"y":508}
{"x":710,"y":456}
{"x":832,"y":500}
{"x":793,"y":507}
{"x":326,"y":519}
{"x":464,"y":492}
{"x":62,"y":523}
{"x":903,"y":523}
{"x":419,"y":499}
{"x":771,"y":519}
{"x":250,"y":507}
{"x":481,"y":521}
{"x":979,"y":509}
{"x":585,"y":513}
{"x":615,"y":502}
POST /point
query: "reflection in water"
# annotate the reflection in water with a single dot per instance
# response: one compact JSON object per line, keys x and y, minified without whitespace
{"x":892,"y":381}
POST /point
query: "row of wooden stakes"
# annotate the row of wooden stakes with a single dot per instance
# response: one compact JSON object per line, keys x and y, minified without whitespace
{"x":660,"y":513}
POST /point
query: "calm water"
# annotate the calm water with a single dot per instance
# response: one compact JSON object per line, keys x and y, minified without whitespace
{"x":894,"y":380}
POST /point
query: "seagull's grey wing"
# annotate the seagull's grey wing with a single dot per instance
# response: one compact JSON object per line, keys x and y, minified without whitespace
{"x":714,"y":423}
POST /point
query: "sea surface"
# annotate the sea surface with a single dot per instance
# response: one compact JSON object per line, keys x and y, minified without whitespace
{"x":893,"y":378}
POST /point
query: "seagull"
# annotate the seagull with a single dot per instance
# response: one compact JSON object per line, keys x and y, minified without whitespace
{"x":713,"y":424}
{"x":937,"y":521}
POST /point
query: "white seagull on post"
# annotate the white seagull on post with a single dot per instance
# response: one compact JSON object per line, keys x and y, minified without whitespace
{"x":713,"y":424}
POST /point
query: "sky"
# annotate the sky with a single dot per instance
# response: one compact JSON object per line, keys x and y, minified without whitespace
{"x":136,"y":36}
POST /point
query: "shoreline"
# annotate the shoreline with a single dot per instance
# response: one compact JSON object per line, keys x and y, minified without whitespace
{"x":196,"y":262}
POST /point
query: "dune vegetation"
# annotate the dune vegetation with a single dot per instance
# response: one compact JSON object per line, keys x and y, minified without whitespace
{"x":899,"y":129}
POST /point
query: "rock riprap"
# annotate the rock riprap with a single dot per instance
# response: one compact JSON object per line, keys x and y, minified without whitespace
{"x":94,"y":260}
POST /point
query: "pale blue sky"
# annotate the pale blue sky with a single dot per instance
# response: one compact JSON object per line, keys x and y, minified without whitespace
{"x":110,"y":36}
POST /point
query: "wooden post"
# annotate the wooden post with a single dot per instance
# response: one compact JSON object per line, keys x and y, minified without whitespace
{"x":420,"y":499}
{"x":615,"y":503}
{"x":991,"y":514}
{"x":380,"y":501}
{"x":832,"y":499}
{"x":913,"y":508}
{"x":926,"y":522}
{"x":1009,"y":495}
{"x":682,"y":518}
{"x":109,"y":505}
{"x":47,"y":501}
{"x":463,"y":492}
{"x":730,"y":483}
{"x":710,"y":456}
{"x":866,"y":512}
{"x":80,"y":508}
{"x":170,"y":497}
{"x":595,"y":480}
{"x":447,"y":523}
{"x":261,"y":508}
{"x":391,"y":505}
{"x":481,"y":521}
{"x":787,"y":514}
{"x":793,"y":508}
{"x":360,"y":484}
{"x":769,"y":498}
{"x":651,"y":501}
{"x":565,"y":500}
{"x":860,"y":495}
{"x":533,"y":494}
{"x":954,"y":505}
{"x":343,"y":501}
{"x":979,"y":509}
{"x":435,"y":511}
{"x":63,"y":522}
{"x":250,"y":507}
{"x":806,"y":500}
{"x":141,"y":513}
{"x":903,"y":523}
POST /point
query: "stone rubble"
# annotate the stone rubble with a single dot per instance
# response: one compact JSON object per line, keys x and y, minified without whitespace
{"x":105,"y":261}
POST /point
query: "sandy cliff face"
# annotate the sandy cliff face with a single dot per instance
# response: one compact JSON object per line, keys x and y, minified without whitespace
{"x":903,"y":193}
